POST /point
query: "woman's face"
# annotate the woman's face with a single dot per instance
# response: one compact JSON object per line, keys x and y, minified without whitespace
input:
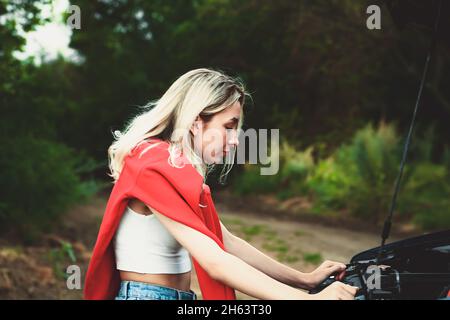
{"x":215,"y":138}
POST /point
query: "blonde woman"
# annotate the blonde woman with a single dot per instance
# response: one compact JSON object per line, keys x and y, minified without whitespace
{"x":160,"y":217}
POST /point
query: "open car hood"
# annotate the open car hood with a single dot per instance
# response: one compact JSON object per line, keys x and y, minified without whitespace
{"x":430,"y":251}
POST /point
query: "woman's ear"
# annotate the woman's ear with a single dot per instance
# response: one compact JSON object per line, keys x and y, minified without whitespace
{"x":197,"y":126}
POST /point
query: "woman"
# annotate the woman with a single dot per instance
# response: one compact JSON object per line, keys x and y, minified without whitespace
{"x":160,"y":213}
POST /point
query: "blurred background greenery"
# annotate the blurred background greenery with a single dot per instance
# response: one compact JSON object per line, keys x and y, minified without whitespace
{"x":341,"y":95}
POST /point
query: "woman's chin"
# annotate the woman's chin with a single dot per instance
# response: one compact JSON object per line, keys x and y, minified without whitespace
{"x":215,"y":159}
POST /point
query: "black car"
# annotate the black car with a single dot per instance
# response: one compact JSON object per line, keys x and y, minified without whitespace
{"x":416,"y":268}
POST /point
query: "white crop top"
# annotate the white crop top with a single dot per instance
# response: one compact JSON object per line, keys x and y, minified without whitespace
{"x":142,"y":244}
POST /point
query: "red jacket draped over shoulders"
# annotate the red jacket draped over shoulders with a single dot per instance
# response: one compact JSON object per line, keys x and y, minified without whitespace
{"x":174,"y":192}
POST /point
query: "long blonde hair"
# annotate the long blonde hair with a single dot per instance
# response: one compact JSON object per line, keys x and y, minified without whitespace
{"x":200,"y":92}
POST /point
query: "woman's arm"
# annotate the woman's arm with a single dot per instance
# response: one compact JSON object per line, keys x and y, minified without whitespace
{"x":276,"y":270}
{"x":236,"y":273}
{"x":227,"y":268}
{"x":242,"y":249}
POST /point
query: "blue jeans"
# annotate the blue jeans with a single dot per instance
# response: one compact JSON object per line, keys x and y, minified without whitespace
{"x":133,"y":290}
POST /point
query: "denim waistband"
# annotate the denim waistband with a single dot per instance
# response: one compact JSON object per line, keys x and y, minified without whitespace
{"x":153,"y":291}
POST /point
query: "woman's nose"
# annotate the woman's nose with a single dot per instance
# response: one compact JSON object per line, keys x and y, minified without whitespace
{"x":233,"y":140}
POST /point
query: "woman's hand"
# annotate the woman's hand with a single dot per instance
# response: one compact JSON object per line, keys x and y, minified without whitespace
{"x":326,"y":269}
{"x":336,"y":291}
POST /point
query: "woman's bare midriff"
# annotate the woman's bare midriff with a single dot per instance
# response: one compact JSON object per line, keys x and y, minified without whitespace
{"x":180,"y":281}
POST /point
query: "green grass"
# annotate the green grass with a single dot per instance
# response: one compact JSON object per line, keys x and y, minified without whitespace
{"x":230,"y":221}
{"x":357,"y":178}
{"x":252,"y":230}
{"x":270,"y":235}
{"x":276,"y":245}
{"x":299,"y":233}
{"x":59,"y":257}
{"x":313,"y":258}
{"x":287,"y":258}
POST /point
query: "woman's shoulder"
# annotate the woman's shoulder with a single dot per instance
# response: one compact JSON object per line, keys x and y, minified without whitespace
{"x":150,"y":150}
{"x":154,"y":174}
{"x":154,"y":155}
{"x":147,"y":151}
